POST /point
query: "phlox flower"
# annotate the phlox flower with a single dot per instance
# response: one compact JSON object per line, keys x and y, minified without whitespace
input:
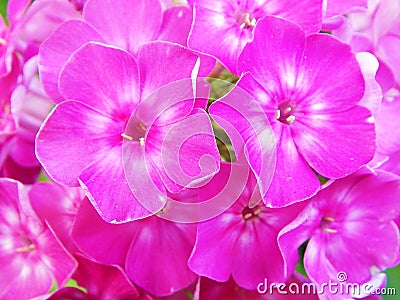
{"x":57,"y":206}
{"x":152,"y":251}
{"x":115,"y":131}
{"x":376,"y":30}
{"x":309,"y":89}
{"x":31,"y":257}
{"x":222,"y":28}
{"x":128,"y":25}
{"x":335,"y":11}
{"x":242,"y":241}
{"x":351,"y":217}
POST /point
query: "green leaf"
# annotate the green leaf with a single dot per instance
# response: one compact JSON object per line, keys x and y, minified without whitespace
{"x":3,"y":8}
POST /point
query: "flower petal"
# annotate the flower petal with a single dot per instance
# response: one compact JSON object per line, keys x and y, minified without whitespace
{"x":161,"y":243}
{"x":109,"y":192}
{"x":336,"y":145}
{"x":73,"y":136}
{"x":58,"y":47}
{"x":128,"y":25}
{"x":102,"y":77}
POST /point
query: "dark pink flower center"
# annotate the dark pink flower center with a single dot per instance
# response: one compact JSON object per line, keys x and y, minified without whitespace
{"x":27,"y":245}
{"x":251,"y":213}
{"x":286,"y":112}
{"x":327,"y":224}
{"x":245,"y":20}
{"x":135,"y":132}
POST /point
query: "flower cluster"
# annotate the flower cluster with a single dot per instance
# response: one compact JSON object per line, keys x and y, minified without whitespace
{"x":200,"y":149}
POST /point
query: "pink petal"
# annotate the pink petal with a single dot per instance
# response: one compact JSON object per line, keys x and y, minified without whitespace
{"x":340,"y":7}
{"x":15,"y":9}
{"x":172,"y":59}
{"x":386,"y":127}
{"x":92,"y":235}
{"x":308,"y":14}
{"x":73,"y":136}
{"x":265,"y":62}
{"x":386,"y":49}
{"x":176,"y":24}
{"x":123,"y":26}
{"x":293,"y":179}
{"x":249,"y":130}
{"x":60,"y":212}
{"x":109,"y":192}
{"x":55,"y":51}
{"x":329,"y":79}
{"x":213,"y":253}
{"x":336,"y":145}
{"x":102,"y":77}
{"x":373,"y":94}
{"x":103,"y":282}
{"x":185,"y":152}
{"x":161,"y":243}
{"x":223,"y":32}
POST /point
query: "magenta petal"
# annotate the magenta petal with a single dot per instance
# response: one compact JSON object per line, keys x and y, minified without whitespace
{"x":185,"y":152}
{"x":227,"y":39}
{"x":176,"y":24}
{"x":31,"y":256}
{"x":275,"y":53}
{"x":129,"y":24}
{"x":336,"y":145}
{"x":161,"y":243}
{"x":143,"y":179}
{"x":15,"y":9}
{"x":73,"y":136}
{"x":92,"y":235}
{"x":109,"y":192}
{"x":102,"y":281}
{"x":55,"y":51}
{"x":293,"y":179}
{"x":213,"y":252}
{"x":308,"y":14}
{"x":60,"y":212}
{"x":103,"y":77}
{"x":172,"y":59}
{"x":325,"y":60}
{"x":249,"y":130}
{"x":386,"y":124}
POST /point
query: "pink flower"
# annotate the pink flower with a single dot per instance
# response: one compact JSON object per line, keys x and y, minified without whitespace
{"x":29,"y":108}
{"x":116,"y":130}
{"x":153,"y":252}
{"x":309,"y":89}
{"x":336,"y":9}
{"x":242,"y":241}
{"x":352,"y":217}
{"x":376,"y":30}
{"x":30,"y":255}
{"x":128,"y":25}
{"x":60,"y":212}
{"x":222,"y":28}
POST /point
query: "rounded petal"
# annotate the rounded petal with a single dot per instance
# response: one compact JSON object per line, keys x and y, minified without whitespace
{"x":336,"y":145}
{"x":109,"y":192}
{"x":56,"y":50}
{"x":72,"y":137}
{"x":103,"y":77}
{"x":159,"y":243}
{"x":128,"y":25}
